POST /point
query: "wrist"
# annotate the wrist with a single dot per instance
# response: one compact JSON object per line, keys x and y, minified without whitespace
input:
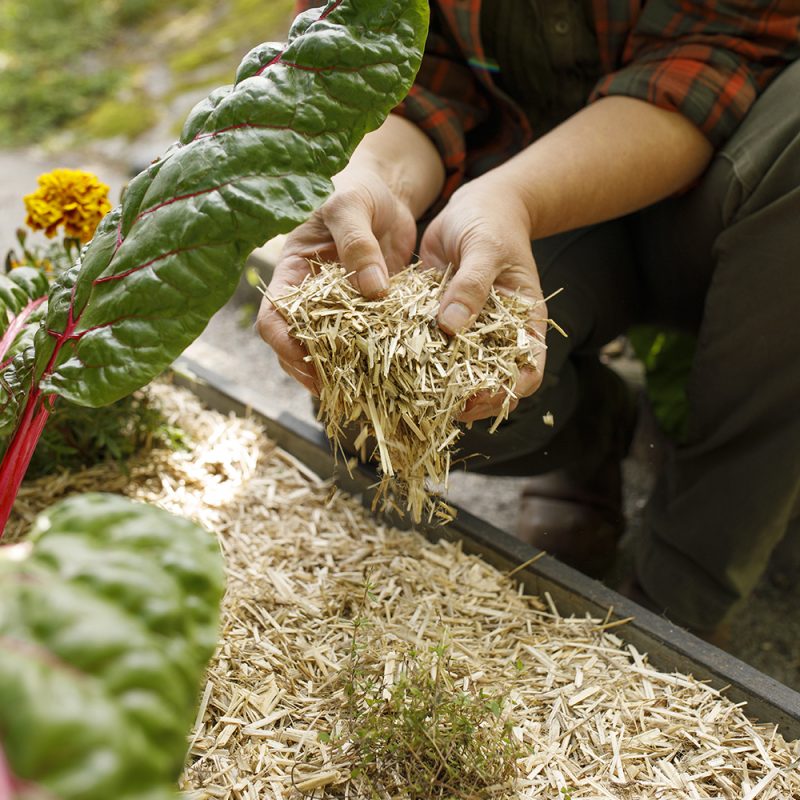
{"x":511,"y":192}
{"x":405,"y":159}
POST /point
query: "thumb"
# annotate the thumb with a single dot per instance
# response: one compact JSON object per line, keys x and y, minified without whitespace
{"x":350,"y":217}
{"x":467,"y":291}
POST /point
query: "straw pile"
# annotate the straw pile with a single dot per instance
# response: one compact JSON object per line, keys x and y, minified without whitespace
{"x":387,"y":371}
{"x":595,"y":719}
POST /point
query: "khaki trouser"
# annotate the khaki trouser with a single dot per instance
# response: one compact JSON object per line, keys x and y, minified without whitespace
{"x":722,"y":260}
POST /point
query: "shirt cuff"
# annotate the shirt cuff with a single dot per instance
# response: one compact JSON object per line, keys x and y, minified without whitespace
{"x":714,"y":99}
{"x":442,"y":125}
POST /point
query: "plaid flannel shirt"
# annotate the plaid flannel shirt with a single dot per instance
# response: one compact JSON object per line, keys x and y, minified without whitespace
{"x":707,"y":60}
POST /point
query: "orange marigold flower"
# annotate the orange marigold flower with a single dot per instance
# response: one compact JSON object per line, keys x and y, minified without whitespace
{"x":70,"y":197}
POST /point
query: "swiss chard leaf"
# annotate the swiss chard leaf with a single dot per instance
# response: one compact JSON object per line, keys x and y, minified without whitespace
{"x":106,"y":627}
{"x":23,"y":306}
{"x":254,"y":160}
{"x":18,"y":288}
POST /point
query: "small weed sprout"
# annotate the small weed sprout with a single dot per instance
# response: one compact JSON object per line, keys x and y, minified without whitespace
{"x":426,"y":737}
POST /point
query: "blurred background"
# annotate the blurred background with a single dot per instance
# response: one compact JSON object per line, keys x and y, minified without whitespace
{"x":106,"y":85}
{"x":118,"y":73}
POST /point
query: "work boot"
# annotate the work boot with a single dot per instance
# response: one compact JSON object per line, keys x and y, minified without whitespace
{"x":575,"y":512}
{"x":578,"y":520}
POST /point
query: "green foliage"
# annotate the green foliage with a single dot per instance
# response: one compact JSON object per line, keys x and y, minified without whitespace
{"x":17,"y":289}
{"x":35,"y":101}
{"x":66,"y":64}
{"x":115,"y":117}
{"x":20,"y":318}
{"x":131,"y":12}
{"x":170,"y":256}
{"x":108,"y":617}
{"x":667,"y":357}
{"x":220,"y":42}
{"x":76,"y":437}
{"x":424,"y":737}
{"x":50,"y":77}
{"x":421,"y":734}
{"x":255,"y":160}
{"x":50,"y":258}
{"x":59,"y":59}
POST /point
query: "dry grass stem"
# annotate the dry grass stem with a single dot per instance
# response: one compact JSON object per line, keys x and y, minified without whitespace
{"x":392,"y":383}
{"x":595,"y":719}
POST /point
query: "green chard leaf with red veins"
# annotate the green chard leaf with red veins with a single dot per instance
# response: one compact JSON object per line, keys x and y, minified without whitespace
{"x":23,"y":306}
{"x":254,"y":160}
{"x":108,"y":617}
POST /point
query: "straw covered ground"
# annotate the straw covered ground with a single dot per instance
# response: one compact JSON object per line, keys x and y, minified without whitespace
{"x":308,"y":569}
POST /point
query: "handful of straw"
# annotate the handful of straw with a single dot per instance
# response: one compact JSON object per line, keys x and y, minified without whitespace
{"x":393,"y":383}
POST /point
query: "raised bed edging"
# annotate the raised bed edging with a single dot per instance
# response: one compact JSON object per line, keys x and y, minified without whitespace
{"x":669,"y":647}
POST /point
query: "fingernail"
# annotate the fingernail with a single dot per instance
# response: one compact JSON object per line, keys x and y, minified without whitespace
{"x":455,"y":317}
{"x":372,"y":281}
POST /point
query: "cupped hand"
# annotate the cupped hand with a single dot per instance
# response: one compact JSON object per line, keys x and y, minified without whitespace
{"x":484,"y":232}
{"x":365,"y":227}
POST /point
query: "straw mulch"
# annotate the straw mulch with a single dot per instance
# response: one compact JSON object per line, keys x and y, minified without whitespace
{"x":594,"y":718}
{"x":387,"y":371}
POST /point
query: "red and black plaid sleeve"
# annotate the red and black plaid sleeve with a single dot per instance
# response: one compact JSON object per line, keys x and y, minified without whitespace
{"x":707,"y":60}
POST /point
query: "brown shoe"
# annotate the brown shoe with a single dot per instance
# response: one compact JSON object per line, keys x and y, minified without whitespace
{"x":575,"y":513}
{"x":720,"y":636}
{"x":577,"y":521}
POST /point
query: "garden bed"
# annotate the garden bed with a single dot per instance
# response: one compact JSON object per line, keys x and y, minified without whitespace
{"x":307,"y":566}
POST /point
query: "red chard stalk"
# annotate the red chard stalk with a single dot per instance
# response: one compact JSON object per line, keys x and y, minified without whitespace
{"x":6,"y":779}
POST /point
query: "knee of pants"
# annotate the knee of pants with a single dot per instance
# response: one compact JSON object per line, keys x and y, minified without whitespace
{"x":761,"y":160}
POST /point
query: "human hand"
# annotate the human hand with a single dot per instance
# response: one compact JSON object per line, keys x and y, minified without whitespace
{"x":484,"y":232}
{"x":365,"y":227}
